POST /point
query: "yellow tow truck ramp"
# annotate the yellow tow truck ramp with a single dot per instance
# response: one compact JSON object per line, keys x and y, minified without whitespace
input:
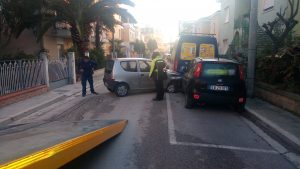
{"x":48,"y":145}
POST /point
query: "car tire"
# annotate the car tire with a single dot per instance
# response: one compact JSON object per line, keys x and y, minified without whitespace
{"x":171,"y":88}
{"x":189,"y":102}
{"x":121,"y":90}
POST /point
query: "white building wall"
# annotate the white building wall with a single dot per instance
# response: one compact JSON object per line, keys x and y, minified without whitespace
{"x":226,"y":25}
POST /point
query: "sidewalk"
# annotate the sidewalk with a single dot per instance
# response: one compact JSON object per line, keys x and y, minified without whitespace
{"x":284,"y":123}
{"x":16,"y":111}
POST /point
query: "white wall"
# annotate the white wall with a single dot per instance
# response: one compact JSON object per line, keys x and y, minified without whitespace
{"x":226,"y":28}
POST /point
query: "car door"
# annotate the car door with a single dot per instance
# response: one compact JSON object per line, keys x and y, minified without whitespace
{"x":144,"y":80}
{"x":130,"y":74}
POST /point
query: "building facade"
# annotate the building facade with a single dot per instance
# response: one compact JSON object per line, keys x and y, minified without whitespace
{"x":55,"y":41}
{"x":267,"y":10}
{"x":234,"y":22}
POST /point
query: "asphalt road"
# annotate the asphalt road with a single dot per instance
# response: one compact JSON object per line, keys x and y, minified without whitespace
{"x":165,"y":135}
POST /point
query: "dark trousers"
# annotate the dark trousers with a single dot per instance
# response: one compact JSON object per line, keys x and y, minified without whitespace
{"x":159,"y":87}
{"x":88,"y":78}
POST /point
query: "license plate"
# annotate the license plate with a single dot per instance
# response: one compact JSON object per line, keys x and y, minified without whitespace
{"x":219,"y":88}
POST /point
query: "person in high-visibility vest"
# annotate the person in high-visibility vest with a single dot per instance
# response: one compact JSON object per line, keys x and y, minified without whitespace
{"x":158,"y":74}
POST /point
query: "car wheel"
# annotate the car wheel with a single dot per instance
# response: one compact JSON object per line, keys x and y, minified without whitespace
{"x":171,"y":88}
{"x":189,"y":102}
{"x":121,"y":90}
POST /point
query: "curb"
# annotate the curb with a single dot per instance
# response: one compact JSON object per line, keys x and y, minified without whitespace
{"x":27,"y":112}
{"x":60,"y":154}
{"x":283,"y":134}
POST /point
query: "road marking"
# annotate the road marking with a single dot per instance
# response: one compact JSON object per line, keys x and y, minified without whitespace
{"x":288,"y":135}
{"x":292,"y":157}
{"x":227,"y":147}
{"x":173,"y":141}
{"x":264,"y":136}
{"x":171,"y":127}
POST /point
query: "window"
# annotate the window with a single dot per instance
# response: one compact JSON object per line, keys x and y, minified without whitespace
{"x":207,"y":51}
{"x":129,"y":66}
{"x":144,"y":66}
{"x":226,"y":10}
{"x":268,"y":5}
{"x":188,"y":51}
{"x":219,"y":69}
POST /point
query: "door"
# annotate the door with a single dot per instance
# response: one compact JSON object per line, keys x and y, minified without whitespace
{"x":130,"y":74}
{"x":145,"y":82}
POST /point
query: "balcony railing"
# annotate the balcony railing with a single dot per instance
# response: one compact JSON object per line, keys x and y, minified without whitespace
{"x":62,"y":29}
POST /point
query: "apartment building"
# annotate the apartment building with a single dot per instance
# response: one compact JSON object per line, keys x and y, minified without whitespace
{"x":267,"y":10}
{"x":55,"y":42}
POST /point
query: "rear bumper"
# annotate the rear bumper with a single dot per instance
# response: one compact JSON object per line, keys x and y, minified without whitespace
{"x":110,"y":83}
{"x":220,"y":99}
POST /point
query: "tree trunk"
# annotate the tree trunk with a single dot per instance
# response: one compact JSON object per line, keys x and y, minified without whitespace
{"x":78,"y":42}
{"x":98,"y":32}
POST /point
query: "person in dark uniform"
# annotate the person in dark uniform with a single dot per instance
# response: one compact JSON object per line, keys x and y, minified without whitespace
{"x":158,"y":74}
{"x":87,"y":67}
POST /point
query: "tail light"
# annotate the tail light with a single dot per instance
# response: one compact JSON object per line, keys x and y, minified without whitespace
{"x":242,"y":74}
{"x":241,"y":100}
{"x":175,"y":65}
{"x":198,"y":69}
{"x":196,"y":96}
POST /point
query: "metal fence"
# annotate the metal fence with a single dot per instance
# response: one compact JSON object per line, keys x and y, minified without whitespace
{"x":20,"y":75}
{"x":58,"y":70}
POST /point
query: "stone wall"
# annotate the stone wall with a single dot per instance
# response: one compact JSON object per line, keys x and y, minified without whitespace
{"x":22,"y":95}
{"x":282,"y":99}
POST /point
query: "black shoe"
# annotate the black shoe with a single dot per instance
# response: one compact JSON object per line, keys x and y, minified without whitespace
{"x":95,"y":93}
{"x":83,"y":95}
{"x":156,"y":99}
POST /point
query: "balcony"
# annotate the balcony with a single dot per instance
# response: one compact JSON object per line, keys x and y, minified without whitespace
{"x":61,"y":30}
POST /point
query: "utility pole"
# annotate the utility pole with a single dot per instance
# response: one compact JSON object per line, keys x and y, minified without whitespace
{"x":252,"y":48}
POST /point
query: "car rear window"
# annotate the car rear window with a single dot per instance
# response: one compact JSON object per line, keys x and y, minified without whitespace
{"x":219,"y":69}
{"x":129,"y":66}
{"x":109,"y":66}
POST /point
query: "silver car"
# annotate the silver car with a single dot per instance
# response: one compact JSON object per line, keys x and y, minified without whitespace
{"x":124,"y":74}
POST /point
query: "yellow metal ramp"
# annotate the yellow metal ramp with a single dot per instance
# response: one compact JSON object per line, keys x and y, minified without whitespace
{"x":48,"y":145}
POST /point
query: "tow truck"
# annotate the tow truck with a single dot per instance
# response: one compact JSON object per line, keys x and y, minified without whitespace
{"x":52,"y":144}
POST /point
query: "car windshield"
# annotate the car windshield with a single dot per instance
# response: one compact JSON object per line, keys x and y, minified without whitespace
{"x":219,"y":69}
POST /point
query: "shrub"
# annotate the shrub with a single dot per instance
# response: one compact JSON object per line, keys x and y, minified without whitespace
{"x":97,"y":55}
{"x":18,"y":56}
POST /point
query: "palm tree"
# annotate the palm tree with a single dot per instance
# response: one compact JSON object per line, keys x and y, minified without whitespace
{"x":82,"y":14}
{"x":16,"y":16}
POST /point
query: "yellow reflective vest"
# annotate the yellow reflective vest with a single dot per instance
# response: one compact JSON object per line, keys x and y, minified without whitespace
{"x":153,"y":65}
